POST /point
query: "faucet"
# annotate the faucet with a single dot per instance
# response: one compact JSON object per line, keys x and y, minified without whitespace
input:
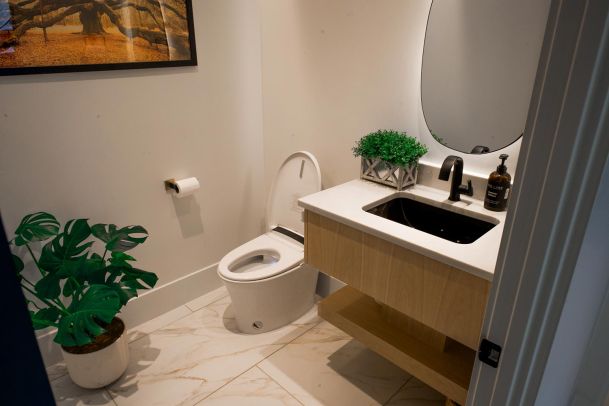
{"x":480,"y":149}
{"x":456,"y":188}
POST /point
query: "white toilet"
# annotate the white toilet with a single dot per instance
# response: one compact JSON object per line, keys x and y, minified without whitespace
{"x":268,"y":284}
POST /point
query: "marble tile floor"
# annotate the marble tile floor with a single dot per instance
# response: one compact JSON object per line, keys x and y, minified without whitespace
{"x":194,"y":355}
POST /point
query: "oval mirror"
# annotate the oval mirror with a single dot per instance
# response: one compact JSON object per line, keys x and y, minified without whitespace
{"x":479,"y":63}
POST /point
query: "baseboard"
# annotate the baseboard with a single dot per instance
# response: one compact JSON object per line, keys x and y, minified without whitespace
{"x":148,"y":305}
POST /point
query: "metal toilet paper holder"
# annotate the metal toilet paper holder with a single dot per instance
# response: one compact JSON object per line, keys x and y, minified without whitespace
{"x":170,"y":184}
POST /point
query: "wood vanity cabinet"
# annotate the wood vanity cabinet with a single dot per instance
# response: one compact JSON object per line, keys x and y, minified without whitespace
{"x":421,"y":314}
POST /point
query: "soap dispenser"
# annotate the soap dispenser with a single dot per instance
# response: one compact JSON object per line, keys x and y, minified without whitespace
{"x":498,"y":187}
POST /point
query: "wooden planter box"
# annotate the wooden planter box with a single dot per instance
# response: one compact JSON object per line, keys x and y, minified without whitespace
{"x":382,"y":172}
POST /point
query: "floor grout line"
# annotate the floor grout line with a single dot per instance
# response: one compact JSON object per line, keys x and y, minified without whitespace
{"x":178,"y":319}
{"x":173,"y":321}
{"x":257,"y":366}
{"x":289,"y":342}
{"x":165,"y":325}
{"x":278,"y":384}
{"x":111,"y":397}
{"x":57,"y":377}
{"x":226,"y":384}
{"x":398,"y":390}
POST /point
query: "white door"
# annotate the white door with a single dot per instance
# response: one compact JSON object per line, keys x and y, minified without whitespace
{"x":564,"y":151}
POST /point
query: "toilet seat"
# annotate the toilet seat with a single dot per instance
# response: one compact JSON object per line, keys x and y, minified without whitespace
{"x":274,"y":253}
{"x":263,"y":257}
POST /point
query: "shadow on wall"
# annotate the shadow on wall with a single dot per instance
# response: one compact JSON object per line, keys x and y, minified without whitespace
{"x":188,"y":213}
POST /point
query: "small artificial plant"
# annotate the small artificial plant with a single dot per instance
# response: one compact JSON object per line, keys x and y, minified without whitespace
{"x":397,"y":148}
{"x":94,"y":287}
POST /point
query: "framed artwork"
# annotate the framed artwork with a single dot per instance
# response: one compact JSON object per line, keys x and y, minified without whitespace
{"x":46,"y":36}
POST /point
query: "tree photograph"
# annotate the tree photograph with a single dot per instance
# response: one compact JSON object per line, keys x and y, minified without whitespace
{"x":47,"y":33}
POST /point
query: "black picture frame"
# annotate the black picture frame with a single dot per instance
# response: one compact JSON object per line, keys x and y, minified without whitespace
{"x":29,"y":70}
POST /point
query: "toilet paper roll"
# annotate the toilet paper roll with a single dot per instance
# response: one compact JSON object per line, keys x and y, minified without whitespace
{"x":187,"y":186}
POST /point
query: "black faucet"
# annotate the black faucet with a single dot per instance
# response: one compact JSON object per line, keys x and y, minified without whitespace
{"x":456,"y":188}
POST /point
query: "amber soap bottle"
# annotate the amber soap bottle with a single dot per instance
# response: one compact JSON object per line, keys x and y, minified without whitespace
{"x":498,"y":187}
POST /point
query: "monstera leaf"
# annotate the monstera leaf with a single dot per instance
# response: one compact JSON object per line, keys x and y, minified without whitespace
{"x":48,"y":287}
{"x":122,"y":239}
{"x":125,"y":279}
{"x":44,"y":318}
{"x":18,"y":264}
{"x":64,"y":257}
{"x":124,"y":290}
{"x":92,"y":270}
{"x":99,"y":303}
{"x":67,"y":246}
{"x":82,"y":271}
{"x":120,"y":267}
{"x":120,"y":259}
{"x":134,"y":276}
{"x":36,"y":227}
{"x":70,"y":244}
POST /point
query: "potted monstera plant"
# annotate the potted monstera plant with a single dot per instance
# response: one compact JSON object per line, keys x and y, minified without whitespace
{"x":389,"y":157}
{"x":85,"y":278}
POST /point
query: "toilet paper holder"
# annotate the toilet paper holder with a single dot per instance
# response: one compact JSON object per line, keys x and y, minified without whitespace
{"x":170,"y":184}
{"x":182,"y":187}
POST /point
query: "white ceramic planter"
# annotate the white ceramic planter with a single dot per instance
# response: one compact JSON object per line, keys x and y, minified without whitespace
{"x":99,"y":368}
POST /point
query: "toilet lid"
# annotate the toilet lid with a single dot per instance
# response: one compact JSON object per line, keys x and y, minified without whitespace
{"x":299,"y":176}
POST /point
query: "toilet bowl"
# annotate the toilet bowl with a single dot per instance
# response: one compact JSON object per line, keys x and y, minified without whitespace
{"x":266,"y":278}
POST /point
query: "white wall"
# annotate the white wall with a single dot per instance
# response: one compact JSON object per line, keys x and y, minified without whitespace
{"x":333,"y":71}
{"x":99,"y":145}
{"x":316,"y":75}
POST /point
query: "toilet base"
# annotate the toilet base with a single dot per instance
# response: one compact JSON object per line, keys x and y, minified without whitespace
{"x":269,"y":304}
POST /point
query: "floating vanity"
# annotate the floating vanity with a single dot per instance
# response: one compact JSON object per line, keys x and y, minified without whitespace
{"x":418,"y":270}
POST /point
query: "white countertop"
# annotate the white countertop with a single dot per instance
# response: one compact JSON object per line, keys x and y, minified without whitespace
{"x":347,"y":203}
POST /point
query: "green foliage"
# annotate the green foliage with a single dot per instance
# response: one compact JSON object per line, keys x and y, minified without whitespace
{"x":36,"y":227}
{"x":98,"y":303}
{"x":391,"y":146}
{"x":18,"y":263}
{"x":119,"y":240}
{"x":44,"y":318}
{"x":95,"y":286}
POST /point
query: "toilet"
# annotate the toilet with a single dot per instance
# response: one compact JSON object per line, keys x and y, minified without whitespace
{"x":266,"y":278}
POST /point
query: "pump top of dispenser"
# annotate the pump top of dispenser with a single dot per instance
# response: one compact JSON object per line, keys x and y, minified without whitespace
{"x":502,"y":169}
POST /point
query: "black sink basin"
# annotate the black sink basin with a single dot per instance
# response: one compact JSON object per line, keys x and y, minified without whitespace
{"x":434,"y":220}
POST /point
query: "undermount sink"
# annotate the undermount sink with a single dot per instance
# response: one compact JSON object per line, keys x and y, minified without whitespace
{"x":446,"y":224}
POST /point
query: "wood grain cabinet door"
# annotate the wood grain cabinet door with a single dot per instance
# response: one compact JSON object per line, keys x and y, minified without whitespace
{"x":444,"y":298}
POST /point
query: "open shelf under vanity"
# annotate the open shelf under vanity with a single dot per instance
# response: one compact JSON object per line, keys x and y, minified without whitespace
{"x":440,"y":362}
